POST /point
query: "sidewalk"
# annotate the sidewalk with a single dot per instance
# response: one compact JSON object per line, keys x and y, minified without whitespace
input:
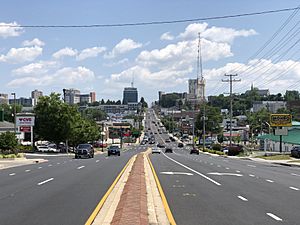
{"x":8,"y":163}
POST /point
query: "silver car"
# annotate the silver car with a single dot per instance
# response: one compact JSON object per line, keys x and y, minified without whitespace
{"x":156,"y":150}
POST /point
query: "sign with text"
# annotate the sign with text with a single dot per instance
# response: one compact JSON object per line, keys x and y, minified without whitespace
{"x":25,"y":129}
{"x":281,"y":120}
{"x":25,"y":121}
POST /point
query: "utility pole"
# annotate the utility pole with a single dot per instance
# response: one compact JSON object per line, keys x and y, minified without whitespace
{"x":15,"y":113}
{"x":230,"y":80}
{"x":102,"y":135}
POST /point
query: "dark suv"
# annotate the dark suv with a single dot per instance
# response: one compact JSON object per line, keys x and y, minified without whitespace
{"x":113,"y":150}
{"x":84,"y":151}
{"x":295,"y":152}
{"x":194,"y":150}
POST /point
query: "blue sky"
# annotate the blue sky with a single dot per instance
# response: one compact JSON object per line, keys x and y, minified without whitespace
{"x":159,"y":57}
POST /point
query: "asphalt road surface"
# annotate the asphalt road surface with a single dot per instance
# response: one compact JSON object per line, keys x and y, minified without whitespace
{"x":204,"y":189}
{"x":62,"y":191}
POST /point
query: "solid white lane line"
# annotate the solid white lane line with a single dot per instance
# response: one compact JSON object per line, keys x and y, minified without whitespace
{"x":202,"y":175}
{"x":294,"y":174}
{"x":45,"y":181}
{"x":242,"y":198}
{"x":251,"y":175}
{"x":274,"y":216}
{"x":271,"y":181}
{"x":97,"y":160}
{"x":12,"y":174}
{"x":251,"y":165}
{"x":27,"y":170}
{"x":80,"y":167}
{"x":294,"y":188}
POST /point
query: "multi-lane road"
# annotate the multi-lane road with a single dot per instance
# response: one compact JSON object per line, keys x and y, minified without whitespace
{"x":205,"y":189}
{"x":62,"y":191}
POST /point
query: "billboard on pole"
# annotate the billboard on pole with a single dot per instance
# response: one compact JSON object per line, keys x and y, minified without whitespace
{"x":281,"y":120}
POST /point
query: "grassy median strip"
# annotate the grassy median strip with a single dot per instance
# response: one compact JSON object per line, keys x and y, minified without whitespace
{"x":102,"y":201}
{"x":163,"y":197}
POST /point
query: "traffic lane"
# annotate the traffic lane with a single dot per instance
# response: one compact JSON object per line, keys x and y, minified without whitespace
{"x":67,"y":199}
{"x":196,"y":200}
{"x":265,"y":194}
{"x":286,"y":176}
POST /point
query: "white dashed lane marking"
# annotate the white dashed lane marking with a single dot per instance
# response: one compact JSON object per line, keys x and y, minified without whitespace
{"x":270,"y":181}
{"x":294,"y":174}
{"x":251,"y":166}
{"x":274,"y":216}
{"x":12,"y":174}
{"x":45,"y":181}
{"x":80,"y":167}
{"x":27,"y":171}
{"x":251,"y":175}
{"x":242,"y":198}
{"x":294,"y":188}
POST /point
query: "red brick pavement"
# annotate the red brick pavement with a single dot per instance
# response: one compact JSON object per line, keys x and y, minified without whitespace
{"x":132,"y":208}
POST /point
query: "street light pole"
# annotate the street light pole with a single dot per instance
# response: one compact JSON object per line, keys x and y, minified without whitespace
{"x":102,"y":134}
{"x":15,"y":111}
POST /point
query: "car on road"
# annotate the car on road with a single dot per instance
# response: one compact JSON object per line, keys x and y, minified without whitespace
{"x":194,"y":151}
{"x":169,"y":150}
{"x":113,"y":150}
{"x":295,"y":152}
{"x":84,"y":151}
{"x":167,"y":140}
{"x":160,"y":145}
{"x":180,"y":145}
{"x":156,"y":150}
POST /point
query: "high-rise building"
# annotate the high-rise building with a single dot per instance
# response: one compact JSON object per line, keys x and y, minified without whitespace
{"x":35,"y":96}
{"x":71,"y":96}
{"x":93,"y":96}
{"x":85,"y":98}
{"x":130,"y":94}
{"x":197,"y":90}
{"x":25,"y":102}
{"x":3,"y":98}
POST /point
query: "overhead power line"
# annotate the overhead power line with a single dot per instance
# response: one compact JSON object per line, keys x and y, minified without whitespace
{"x":154,"y":22}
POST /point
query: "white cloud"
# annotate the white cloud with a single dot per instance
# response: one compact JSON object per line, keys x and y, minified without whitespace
{"x":90,"y":52}
{"x":192,"y":30}
{"x":61,"y":78}
{"x":124,"y":46}
{"x":38,"y":68}
{"x":20,"y":55}
{"x":120,"y":62}
{"x":65,"y":52}
{"x":166,"y":36}
{"x":221,"y":34}
{"x":215,"y":34}
{"x":33,"y":42}
{"x":10,"y":30}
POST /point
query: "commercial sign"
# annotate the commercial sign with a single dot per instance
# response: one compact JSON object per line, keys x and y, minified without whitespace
{"x":281,"y":120}
{"x":26,"y":129}
{"x":25,"y":121}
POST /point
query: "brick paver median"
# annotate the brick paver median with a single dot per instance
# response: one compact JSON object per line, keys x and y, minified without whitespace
{"x":132,"y":208}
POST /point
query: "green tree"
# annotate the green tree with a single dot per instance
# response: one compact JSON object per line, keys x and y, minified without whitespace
{"x":8,"y":143}
{"x":9,"y":111}
{"x":213,"y":119}
{"x":144,"y":104}
{"x":94,"y":114}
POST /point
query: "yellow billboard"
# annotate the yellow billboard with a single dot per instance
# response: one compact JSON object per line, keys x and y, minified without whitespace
{"x":281,"y":120}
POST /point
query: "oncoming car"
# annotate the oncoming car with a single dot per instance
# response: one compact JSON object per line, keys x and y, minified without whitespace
{"x":156,"y":150}
{"x":113,"y":150}
{"x":84,"y":151}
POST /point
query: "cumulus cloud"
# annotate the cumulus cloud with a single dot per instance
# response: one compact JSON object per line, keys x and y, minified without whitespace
{"x":90,"y":52}
{"x":38,"y":68}
{"x":215,"y":34}
{"x":124,"y":46}
{"x":33,"y":42}
{"x":10,"y":30}
{"x":65,"y":52}
{"x":61,"y":78}
{"x":20,"y":55}
{"x":120,"y":62}
{"x":166,"y":36}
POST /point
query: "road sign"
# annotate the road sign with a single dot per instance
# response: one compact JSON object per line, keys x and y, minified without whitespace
{"x":281,"y":120}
